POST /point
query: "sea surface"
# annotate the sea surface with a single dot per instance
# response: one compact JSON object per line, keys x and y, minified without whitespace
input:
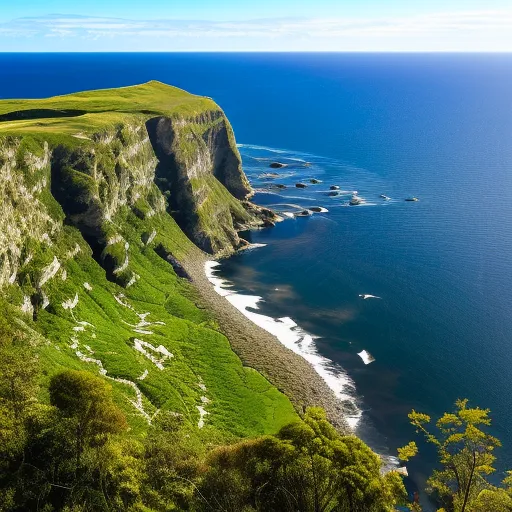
{"x":438,"y":127}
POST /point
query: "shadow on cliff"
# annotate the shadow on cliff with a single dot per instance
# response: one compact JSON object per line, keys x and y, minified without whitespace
{"x":172,"y":180}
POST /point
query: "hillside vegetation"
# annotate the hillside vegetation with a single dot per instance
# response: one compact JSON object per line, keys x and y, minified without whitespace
{"x":103,"y":193}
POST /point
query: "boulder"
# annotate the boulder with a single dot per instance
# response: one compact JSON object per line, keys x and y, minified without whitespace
{"x":334,"y":187}
{"x":277,"y":165}
{"x":300,"y":185}
{"x":314,"y":181}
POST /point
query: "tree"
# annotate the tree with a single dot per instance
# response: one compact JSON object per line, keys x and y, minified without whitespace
{"x":307,"y":467}
{"x":18,"y":378}
{"x":465,"y":452}
{"x":86,"y":402}
{"x":18,"y":388}
{"x":172,"y":463}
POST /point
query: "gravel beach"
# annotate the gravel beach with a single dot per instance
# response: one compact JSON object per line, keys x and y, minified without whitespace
{"x":258,"y":349}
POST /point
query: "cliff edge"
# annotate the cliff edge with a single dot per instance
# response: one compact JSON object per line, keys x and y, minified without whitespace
{"x":104,"y":194}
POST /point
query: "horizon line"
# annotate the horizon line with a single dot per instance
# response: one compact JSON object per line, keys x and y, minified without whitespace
{"x":398,"y":52}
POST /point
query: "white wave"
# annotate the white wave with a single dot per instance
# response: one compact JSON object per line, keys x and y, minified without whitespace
{"x":366,"y":357}
{"x":263,"y":148}
{"x":292,"y":337}
{"x":365,"y":296}
{"x":251,"y":247}
{"x":301,"y":160}
{"x":219,"y":284}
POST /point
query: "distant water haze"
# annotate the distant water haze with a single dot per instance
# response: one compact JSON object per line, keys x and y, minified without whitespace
{"x":438,"y":127}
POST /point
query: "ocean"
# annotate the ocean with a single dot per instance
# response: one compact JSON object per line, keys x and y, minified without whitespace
{"x":434,"y":126}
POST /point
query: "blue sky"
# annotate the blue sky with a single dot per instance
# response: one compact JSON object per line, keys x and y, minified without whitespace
{"x":263,"y":25}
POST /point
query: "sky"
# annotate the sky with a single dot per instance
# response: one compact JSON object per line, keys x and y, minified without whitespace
{"x":261,"y":25}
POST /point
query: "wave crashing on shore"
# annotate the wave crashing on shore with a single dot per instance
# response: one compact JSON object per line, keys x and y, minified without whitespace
{"x":292,"y":337}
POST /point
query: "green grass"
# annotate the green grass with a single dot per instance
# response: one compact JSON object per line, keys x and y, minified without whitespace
{"x":242,"y":402}
{"x":104,"y":108}
{"x":96,"y":179}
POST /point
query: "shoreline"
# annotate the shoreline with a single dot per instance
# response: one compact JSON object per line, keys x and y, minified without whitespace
{"x":257,"y":348}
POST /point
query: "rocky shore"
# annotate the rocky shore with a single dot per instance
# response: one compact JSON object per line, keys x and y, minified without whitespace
{"x":262,"y":351}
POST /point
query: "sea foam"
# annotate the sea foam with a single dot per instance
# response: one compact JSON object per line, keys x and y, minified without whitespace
{"x":292,"y":337}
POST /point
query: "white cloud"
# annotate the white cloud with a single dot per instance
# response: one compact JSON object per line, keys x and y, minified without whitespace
{"x":489,"y":30}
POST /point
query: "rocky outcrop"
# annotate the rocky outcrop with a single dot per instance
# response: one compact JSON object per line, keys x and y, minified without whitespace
{"x":187,"y":166}
{"x":199,"y":171}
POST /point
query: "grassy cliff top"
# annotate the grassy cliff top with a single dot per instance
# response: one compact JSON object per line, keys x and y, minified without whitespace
{"x":90,"y":111}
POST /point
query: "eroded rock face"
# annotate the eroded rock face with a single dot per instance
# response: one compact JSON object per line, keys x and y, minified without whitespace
{"x":187,"y":167}
{"x":199,"y":170}
{"x":25,"y":222}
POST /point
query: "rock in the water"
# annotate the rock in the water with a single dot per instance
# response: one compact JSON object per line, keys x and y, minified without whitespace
{"x":277,"y":165}
{"x":317,"y":209}
{"x":280,"y":185}
{"x":333,"y":194}
{"x":300,"y":185}
{"x":314,"y":181}
{"x":334,"y":187}
{"x":303,"y":213}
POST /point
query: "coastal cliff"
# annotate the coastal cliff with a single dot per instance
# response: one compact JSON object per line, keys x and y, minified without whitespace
{"x":112,"y":200}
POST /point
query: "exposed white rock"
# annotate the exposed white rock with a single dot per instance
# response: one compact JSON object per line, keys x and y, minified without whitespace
{"x":80,"y":135}
{"x":85,"y":324}
{"x":27,"y":260}
{"x":115,"y":239}
{"x":45,"y":237}
{"x":143,"y":376}
{"x":87,"y":286}
{"x":73,"y":252}
{"x":64,"y":274}
{"x":12,"y":277}
{"x":27,"y":307}
{"x":35,"y":163}
{"x":141,"y":346}
{"x":202,"y":414}
{"x":71,"y":303}
{"x":119,"y":299}
{"x":49,"y":271}
{"x":122,"y":267}
{"x":135,"y":277}
{"x":74,"y":342}
{"x":142,"y":331}
{"x":151,"y":237}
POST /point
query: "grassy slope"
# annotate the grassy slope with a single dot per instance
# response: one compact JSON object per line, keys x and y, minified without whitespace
{"x":241,"y":402}
{"x":106,"y":106}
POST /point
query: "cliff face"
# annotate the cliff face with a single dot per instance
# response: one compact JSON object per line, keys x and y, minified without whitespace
{"x":199,"y":170}
{"x":102,"y":195}
{"x":187,"y":167}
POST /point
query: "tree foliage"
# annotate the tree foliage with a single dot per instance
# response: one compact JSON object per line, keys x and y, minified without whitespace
{"x":308,"y":466}
{"x":466,"y":455}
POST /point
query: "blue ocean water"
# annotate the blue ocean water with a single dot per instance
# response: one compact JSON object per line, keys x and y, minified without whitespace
{"x":435,"y":126}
